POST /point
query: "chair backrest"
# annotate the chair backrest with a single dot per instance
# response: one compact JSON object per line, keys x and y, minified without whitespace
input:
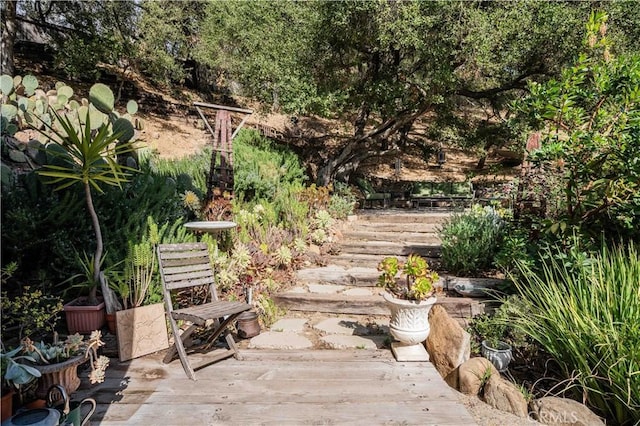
{"x":185,"y":265}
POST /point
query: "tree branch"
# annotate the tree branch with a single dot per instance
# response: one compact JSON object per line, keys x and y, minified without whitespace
{"x":517,"y":83}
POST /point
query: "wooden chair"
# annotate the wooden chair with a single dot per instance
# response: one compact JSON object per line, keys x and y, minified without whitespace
{"x":184,"y":266}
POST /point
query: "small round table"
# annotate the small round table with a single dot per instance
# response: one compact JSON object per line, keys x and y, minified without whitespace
{"x":211,"y":226}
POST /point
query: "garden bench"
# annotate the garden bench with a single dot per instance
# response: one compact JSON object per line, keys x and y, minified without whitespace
{"x":445,"y":194}
{"x":371,"y":196}
{"x":185,"y":266}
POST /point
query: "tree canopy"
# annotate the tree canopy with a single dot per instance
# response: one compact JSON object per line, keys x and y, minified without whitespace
{"x":378,"y":66}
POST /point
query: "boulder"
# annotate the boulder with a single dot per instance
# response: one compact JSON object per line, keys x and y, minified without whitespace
{"x":554,"y":411}
{"x":505,"y":396}
{"x":448,"y":344}
{"x":473,"y":374}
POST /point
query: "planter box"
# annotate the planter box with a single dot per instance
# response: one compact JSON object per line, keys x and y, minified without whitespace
{"x":141,"y":331}
{"x":84,"y":319}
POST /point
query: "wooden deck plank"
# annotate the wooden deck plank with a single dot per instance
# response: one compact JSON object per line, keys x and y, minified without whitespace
{"x":277,"y":387}
{"x":396,"y":413}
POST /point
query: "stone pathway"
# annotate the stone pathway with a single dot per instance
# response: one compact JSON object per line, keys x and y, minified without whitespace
{"x":322,"y":331}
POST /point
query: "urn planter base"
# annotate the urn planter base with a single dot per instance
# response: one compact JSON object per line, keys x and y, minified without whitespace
{"x":404,"y":352}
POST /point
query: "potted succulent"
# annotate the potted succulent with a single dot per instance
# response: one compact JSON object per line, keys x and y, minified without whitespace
{"x":14,"y":374}
{"x":58,"y":362}
{"x":410,"y":299}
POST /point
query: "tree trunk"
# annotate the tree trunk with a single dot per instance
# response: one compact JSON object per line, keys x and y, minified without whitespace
{"x":8,"y":36}
{"x":97,"y":257}
{"x":356,"y":149}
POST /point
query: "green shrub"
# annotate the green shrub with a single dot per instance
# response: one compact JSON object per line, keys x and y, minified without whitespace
{"x":586,"y":315}
{"x":513,"y":248}
{"x":342,"y":202}
{"x":261,"y":168}
{"x":189,"y":172}
{"x":471,"y":239}
{"x":497,"y":326}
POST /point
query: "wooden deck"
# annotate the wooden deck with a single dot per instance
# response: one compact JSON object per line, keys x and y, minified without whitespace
{"x":314,"y":387}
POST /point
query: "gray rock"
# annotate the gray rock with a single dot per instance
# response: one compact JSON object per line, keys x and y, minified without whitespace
{"x":473,"y":374}
{"x":554,"y":411}
{"x":448,"y":344}
{"x":505,"y":396}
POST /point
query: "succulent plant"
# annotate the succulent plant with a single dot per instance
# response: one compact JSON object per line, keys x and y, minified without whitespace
{"x":25,"y":104}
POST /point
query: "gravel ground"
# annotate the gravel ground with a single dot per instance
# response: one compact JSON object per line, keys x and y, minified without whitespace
{"x":486,"y":415}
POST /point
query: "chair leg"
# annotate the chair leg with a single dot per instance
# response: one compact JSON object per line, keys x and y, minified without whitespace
{"x":179,"y":347}
{"x":232,"y":343}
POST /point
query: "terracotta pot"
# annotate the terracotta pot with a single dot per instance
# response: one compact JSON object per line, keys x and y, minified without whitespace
{"x":409,"y":321}
{"x":82,"y":318}
{"x":63,"y":373}
{"x":38,"y":403}
{"x":111,"y":323}
{"x":7,"y":405}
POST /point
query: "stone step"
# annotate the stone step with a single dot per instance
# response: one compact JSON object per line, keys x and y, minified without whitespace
{"x":324,"y":331}
{"x":410,"y":237}
{"x":373,"y":227}
{"x":354,"y":260}
{"x":387,"y":248}
{"x":372,"y":304}
{"x":339,"y":275}
{"x":402,"y":216}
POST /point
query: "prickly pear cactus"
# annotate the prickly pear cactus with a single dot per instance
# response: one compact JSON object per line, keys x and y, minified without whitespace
{"x":25,"y":104}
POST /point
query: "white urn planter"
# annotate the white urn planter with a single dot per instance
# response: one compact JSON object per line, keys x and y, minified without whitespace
{"x":409,"y":325}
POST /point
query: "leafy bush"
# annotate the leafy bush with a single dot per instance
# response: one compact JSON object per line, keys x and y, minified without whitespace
{"x":471,"y":239}
{"x":342,"y":202}
{"x":497,"y":326}
{"x":514,"y":248}
{"x":589,"y":121}
{"x":586,"y":315}
{"x":261,"y":168}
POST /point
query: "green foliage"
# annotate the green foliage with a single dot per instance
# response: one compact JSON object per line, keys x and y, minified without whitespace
{"x":590,"y":121}
{"x":14,"y":372}
{"x":29,"y":313}
{"x":268,"y":310}
{"x":139,"y":283}
{"x":167,"y":30}
{"x":497,"y":326}
{"x":514,"y":247}
{"x":261,"y":169}
{"x":471,"y":240}
{"x":586,"y":315}
{"x":342,"y":202}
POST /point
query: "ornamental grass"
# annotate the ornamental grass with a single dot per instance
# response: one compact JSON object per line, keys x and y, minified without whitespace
{"x":587,"y":317}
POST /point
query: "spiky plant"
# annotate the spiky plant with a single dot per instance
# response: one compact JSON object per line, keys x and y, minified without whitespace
{"x":89,"y":157}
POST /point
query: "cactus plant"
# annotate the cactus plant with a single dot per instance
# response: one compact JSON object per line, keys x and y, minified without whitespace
{"x":83,"y":138}
{"x":30,"y":84}
{"x":102,"y":98}
{"x":6,"y":84}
